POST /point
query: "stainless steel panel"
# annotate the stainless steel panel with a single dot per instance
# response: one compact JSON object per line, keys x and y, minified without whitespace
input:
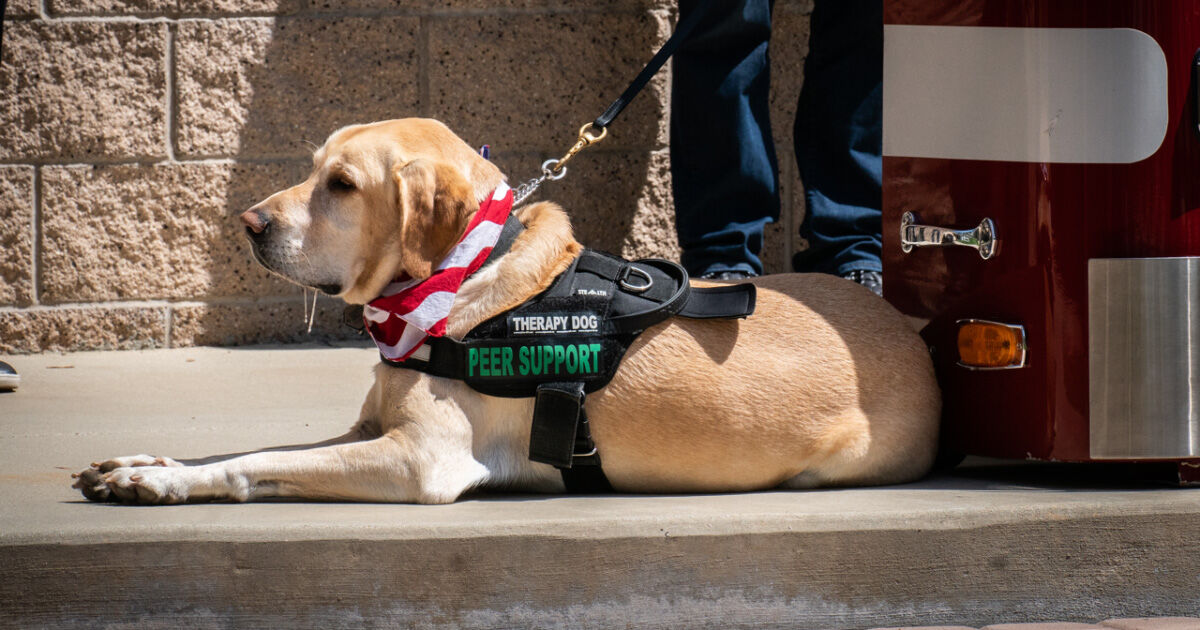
{"x":1144,"y":357}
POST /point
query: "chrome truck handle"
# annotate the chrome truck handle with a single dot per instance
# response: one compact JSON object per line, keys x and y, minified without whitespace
{"x":982,"y":239}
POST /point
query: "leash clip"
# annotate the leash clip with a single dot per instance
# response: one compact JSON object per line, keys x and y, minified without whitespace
{"x":555,"y":170}
{"x":587,"y":137}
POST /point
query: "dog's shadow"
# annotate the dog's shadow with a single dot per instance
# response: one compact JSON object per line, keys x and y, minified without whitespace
{"x":987,"y":474}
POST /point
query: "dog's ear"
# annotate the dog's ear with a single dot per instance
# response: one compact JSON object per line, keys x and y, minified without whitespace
{"x":436,"y":202}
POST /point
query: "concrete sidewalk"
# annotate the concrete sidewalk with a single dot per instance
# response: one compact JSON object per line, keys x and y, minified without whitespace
{"x":989,"y":543}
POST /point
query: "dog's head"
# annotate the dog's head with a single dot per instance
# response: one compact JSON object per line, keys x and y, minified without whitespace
{"x":382,"y":199}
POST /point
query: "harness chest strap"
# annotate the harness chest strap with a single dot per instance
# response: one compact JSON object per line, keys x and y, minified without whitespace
{"x":569,"y":341}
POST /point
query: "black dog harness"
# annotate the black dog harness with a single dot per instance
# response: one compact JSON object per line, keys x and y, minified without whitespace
{"x":568,"y":341}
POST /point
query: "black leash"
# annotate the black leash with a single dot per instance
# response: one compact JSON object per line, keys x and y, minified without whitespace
{"x":682,"y":30}
{"x":597,"y":130}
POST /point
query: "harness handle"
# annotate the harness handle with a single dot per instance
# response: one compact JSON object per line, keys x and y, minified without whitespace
{"x":637,"y":322}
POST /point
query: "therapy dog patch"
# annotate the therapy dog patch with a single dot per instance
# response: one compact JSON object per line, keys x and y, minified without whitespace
{"x":553,"y":324}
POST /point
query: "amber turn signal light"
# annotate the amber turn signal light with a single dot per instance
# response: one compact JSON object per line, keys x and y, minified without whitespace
{"x":984,"y":345}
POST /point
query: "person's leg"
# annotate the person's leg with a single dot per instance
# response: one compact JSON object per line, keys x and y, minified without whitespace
{"x":838,"y":138}
{"x":723,"y":167}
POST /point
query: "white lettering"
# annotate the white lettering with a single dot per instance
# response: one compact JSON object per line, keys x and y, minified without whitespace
{"x":533,"y":324}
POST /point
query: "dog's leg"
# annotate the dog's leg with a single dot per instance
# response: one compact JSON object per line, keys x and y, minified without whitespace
{"x":425,"y":461}
{"x":92,"y":481}
{"x":151,"y":460}
{"x":93,"y":485}
{"x":393,"y":468}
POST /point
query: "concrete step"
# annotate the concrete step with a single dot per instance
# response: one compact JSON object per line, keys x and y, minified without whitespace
{"x":1144,"y":623}
{"x":991,"y":542}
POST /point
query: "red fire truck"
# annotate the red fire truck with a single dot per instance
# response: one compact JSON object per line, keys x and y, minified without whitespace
{"x":1041,"y":189}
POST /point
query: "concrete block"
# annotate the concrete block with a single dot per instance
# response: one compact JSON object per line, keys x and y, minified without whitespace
{"x":272,"y":7}
{"x":927,"y":628}
{"x":794,"y":6}
{"x":111,"y":7}
{"x":1151,"y":623}
{"x":619,"y":202}
{"x":16,"y":235}
{"x":1042,"y":625}
{"x":788,"y":50}
{"x":652,"y":227}
{"x":799,"y":208}
{"x":82,"y":91}
{"x":166,"y":231}
{"x":262,"y":87}
{"x":528,"y":82}
{"x":237,"y":324}
{"x":71,"y":329}
{"x":21,"y":9}
{"x":776,"y":254}
{"x":775,"y":244}
{"x":474,"y":5}
{"x":172,"y":7}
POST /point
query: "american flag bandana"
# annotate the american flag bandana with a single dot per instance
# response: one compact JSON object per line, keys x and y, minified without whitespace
{"x":409,"y":311}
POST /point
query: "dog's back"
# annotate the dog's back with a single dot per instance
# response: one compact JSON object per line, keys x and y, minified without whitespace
{"x":826,"y":384}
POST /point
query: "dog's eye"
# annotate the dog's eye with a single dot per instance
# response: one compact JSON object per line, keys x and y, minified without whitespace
{"x":341,"y":184}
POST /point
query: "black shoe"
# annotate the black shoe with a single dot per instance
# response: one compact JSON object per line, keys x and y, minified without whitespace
{"x":873,"y":280}
{"x":9,"y":379}
{"x":732,"y":275}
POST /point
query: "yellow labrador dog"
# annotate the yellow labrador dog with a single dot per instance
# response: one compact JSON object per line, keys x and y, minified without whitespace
{"x":824,"y":385}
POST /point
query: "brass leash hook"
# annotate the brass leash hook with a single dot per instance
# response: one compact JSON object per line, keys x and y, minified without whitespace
{"x":555,"y":170}
{"x":587,"y":137}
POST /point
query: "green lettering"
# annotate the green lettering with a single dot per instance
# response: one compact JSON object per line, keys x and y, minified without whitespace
{"x":595,"y":347}
{"x":472,"y":360}
{"x":536,"y":360}
{"x":560,"y":355}
{"x":572,"y":359}
{"x":508,"y":369}
{"x":523,"y":357}
{"x":485,"y":362}
{"x":547,"y":359}
{"x":584,"y":353}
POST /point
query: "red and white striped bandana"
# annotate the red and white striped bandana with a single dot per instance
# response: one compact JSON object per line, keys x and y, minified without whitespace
{"x":408,"y":311}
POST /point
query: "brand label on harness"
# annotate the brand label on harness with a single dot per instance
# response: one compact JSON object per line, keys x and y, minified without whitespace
{"x":572,"y":359}
{"x":553,"y":324}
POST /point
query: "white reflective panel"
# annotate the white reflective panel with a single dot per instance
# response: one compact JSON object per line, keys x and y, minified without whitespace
{"x":1023,"y":94}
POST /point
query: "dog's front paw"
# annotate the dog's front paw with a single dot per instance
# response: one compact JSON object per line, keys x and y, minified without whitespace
{"x":147,"y":485}
{"x":91,"y":483}
{"x":155,"y":484}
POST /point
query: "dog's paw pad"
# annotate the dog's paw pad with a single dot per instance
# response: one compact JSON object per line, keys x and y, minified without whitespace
{"x":146,"y":484}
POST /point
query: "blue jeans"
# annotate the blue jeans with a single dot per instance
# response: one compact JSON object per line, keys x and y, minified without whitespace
{"x":723,"y":160}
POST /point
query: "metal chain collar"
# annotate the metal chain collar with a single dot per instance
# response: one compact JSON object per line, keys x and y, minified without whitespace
{"x":555,"y":170}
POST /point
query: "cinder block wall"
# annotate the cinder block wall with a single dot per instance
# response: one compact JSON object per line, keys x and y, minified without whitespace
{"x":132,"y":132}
